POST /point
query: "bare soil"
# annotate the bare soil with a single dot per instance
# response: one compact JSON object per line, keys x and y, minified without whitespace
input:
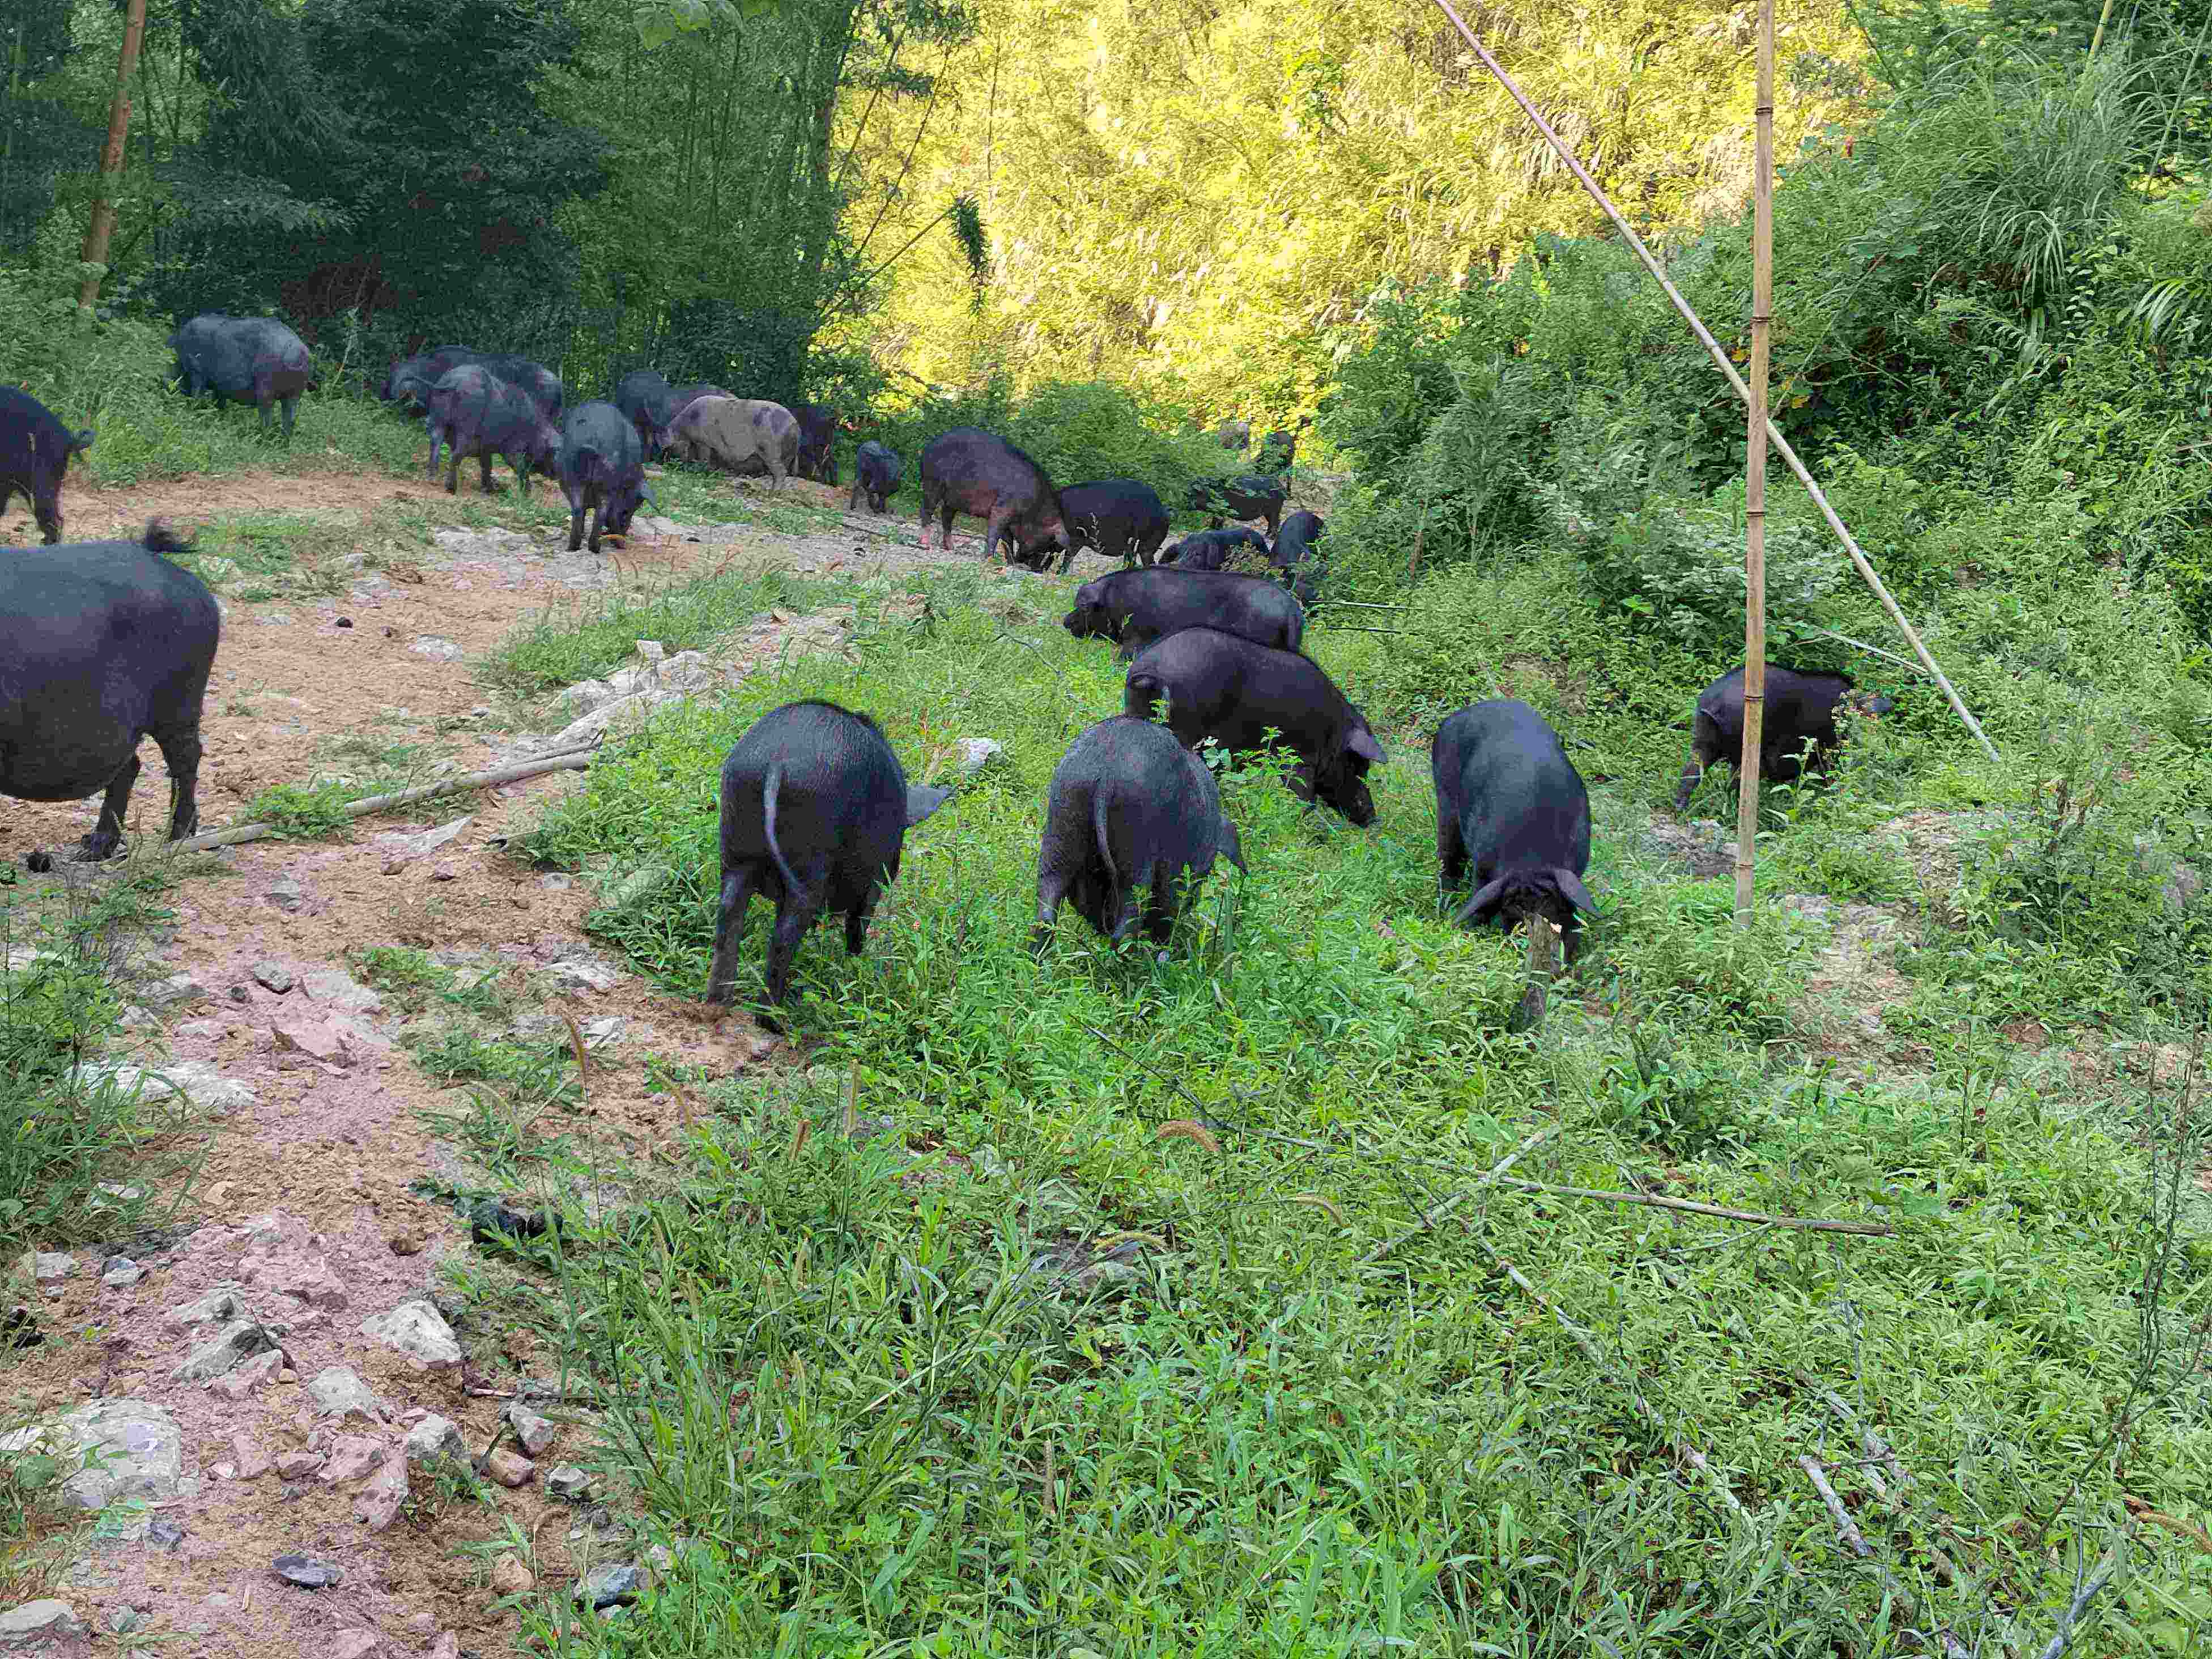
{"x":322,"y":1159}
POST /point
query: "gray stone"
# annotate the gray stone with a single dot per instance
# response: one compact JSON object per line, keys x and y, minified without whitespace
{"x":341,"y":990}
{"x":164,"y":1535}
{"x":200,"y":1083}
{"x":638,"y":883}
{"x":41,"y":1627}
{"x":51,"y":1267}
{"x":535,"y":1433}
{"x":977,"y":753}
{"x":176,"y":991}
{"x":240,"y":1339}
{"x":223,"y":1302}
{"x":438,"y":650}
{"x":568,"y":1483}
{"x":381,"y":1500}
{"x":419,"y":1331}
{"x":581,"y":971}
{"x":340,"y":1393}
{"x":258,"y":1373}
{"x":285,"y":894}
{"x":308,"y":1572}
{"x":142,"y":1452}
{"x":435,"y":1438}
{"x":121,"y":1273}
{"x":274,"y":975}
{"x":611,"y":1587}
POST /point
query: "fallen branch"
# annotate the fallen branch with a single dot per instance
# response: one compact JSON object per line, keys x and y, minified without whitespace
{"x":1856,"y":1542}
{"x":1497,"y":1173}
{"x":2079,"y":1604}
{"x":575,"y":760}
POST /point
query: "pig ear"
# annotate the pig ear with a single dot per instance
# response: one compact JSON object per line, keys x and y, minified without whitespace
{"x":1571,"y":890}
{"x":1362,"y":743}
{"x":1483,"y":907}
{"x":1231,"y":848}
{"x":921,"y":800}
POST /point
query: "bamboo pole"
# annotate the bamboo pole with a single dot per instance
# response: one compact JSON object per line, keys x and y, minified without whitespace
{"x":101,"y":226}
{"x":1754,"y":478}
{"x":1782,"y":445}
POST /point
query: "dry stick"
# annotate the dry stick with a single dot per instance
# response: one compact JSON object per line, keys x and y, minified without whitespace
{"x":1496,"y":1174}
{"x":1721,"y":360}
{"x":2079,"y":1604}
{"x":1755,"y":478}
{"x":1543,"y":963}
{"x":1857,"y":1543}
{"x":1873,"y":650}
{"x":575,"y":760}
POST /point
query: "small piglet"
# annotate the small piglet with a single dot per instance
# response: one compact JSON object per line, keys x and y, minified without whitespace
{"x":815,"y":811}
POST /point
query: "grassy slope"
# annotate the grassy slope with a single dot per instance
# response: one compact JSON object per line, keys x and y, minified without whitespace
{"x":854,"y":1383}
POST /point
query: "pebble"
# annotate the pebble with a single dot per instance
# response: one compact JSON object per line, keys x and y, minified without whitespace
{"x":406,"y":1242}
{"x":274,"y":975}
{"x":436,"y":1437}
{"x":219,"y":1304}
{"x":535,"y":1433}
{"x":262,"y":1369}
{"x":35,"y":1624}
{"x":121,"y":1274}
{"x":164,"y":1535}
{"x":51,"y":1267}
{"x":610,"y":1587}
{"x":307,"y":1571}
{"x":510,"y":1577}
{"x":568,"y":1483}
{"x":354,"y":1645}
{"x":293,"y":1464}
{"x":509,"y":1468}
{"x":285,"y":894}
{"x":340,"y":1393}
{"x":241,"y":1340}
{"x":419,"y":1331}
{"x":251,"y":1462}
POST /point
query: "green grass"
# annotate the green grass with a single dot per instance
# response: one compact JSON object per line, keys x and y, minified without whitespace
{"x":1275,"y":1431}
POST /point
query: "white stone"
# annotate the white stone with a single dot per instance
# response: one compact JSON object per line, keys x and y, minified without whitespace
{"x":198,"y":1081}
{"x":438,"y":650}
{"x":51,"y":1267}
{"x":240,"y":1339}
{"x":435,"y":1438}
{"x":419,"y":1331}
{"x":977,"y":753}
{"x":223,"y":1302}
{"x":35,"y":1624}
{"x":340,"y":989}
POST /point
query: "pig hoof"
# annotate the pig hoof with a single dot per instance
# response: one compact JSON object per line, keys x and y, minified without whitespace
{"x":38,"y":861}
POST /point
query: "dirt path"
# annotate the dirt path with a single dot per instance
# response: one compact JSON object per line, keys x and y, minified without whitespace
{"x":307,"y":1222}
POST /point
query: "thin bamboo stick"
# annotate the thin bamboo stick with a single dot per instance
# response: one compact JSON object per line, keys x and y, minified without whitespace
{"x":1755,"y":478}
{"x":1720,"y":357}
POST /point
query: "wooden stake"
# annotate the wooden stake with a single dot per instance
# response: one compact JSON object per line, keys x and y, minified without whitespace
{"x":1543,"y":963}
{"x":1754,"y":478}
{"x":1782,"y":445}
{"x":101,"y":226}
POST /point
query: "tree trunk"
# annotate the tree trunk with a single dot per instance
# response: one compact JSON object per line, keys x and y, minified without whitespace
{"x":102,"y":227}
{"x":1754,"y":476}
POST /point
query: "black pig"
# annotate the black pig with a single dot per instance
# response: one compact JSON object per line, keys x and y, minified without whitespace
{"x":877,"y":475}
{"x":109,"y":643}
{"x":1246,"y":498}
{"x":249,"y":360}
{"x":601,"y":467}
{"x":1510,"y":802}
{"x":969,"y":471}
{"x":1130,"y":807}
{"x":1136,"y":607}
{"x":34,"y":454}
{"x":1800,"y":724}
{"x":474,"y":412}
{"x":1220,"y":686}
{"x":815,"y":811}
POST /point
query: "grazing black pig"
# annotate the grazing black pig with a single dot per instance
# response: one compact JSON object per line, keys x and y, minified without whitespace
{"x":411,"y":379}
{"x":1118,"y":517}
{"x":1245,"y":498}
{"x":1136,"y":607}
{"x":970,"y":471}
{"x":34,"y":453}
{"x":249,"y":360}
{"x":1297,"y":555}
{"x":1800,"y":724}
{"x":645,"y":398}
{"x":815,"y":811}
{"x":1217,"y":550}
{"x":601,"y":467}
{"x":108,"y":643}
{"x":1510,"y":802}
{"x":877,"y":475}
{"x":817,"y":441}
{"x":1130,"y":807}
{"x":540,"y":384}
{"x":1278,"y":451}
{"x":1220,"y":686}
{"x":474,"y":412}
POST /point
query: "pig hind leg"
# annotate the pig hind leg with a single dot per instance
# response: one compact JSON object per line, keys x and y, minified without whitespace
{"x":738,"y":885}
{"x":108,"y":834}
{"x":1705,"y":750}
{"x":858,"y":915}
{"x":1451,"y":852}
{"x":180,"y":752}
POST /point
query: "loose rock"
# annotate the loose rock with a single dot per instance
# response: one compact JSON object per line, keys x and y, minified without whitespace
{"x":274,"y":975}
{"x":40,"y":1627}
{"x":610,"y":1587}
{"x":509,"y":1468}
{"x":250,"y":1461}
{"x":977,"y":753}
{"x":220,"y":1303}
{"x":435,"y":1438}
{"x":285,"y":894}
{"x":241,"y":1340}
{"x":355,"y":1644}
{"x":535,"y":1433}
{"x":52,"y":1266}
{"x":340,"y":1393}
{"x":164,"y":1535}
{"x":510,"y":1577}
{"x":254,"y":1373}
{"x":568,"y":1483}
{"x":351,"y":1458}
{"x":121,"y":1273}
{"x":307,"y":1571}
{"x":141,"y":1452}
{"x":438,"y":650}
{"x":383,"y":1498}
{"x":315,"y":1038}
{"x":296,"y":1464}
{"x":419,"y":1331}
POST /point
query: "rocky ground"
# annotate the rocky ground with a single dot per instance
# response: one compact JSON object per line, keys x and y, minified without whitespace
{"x":293,"y":1449}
